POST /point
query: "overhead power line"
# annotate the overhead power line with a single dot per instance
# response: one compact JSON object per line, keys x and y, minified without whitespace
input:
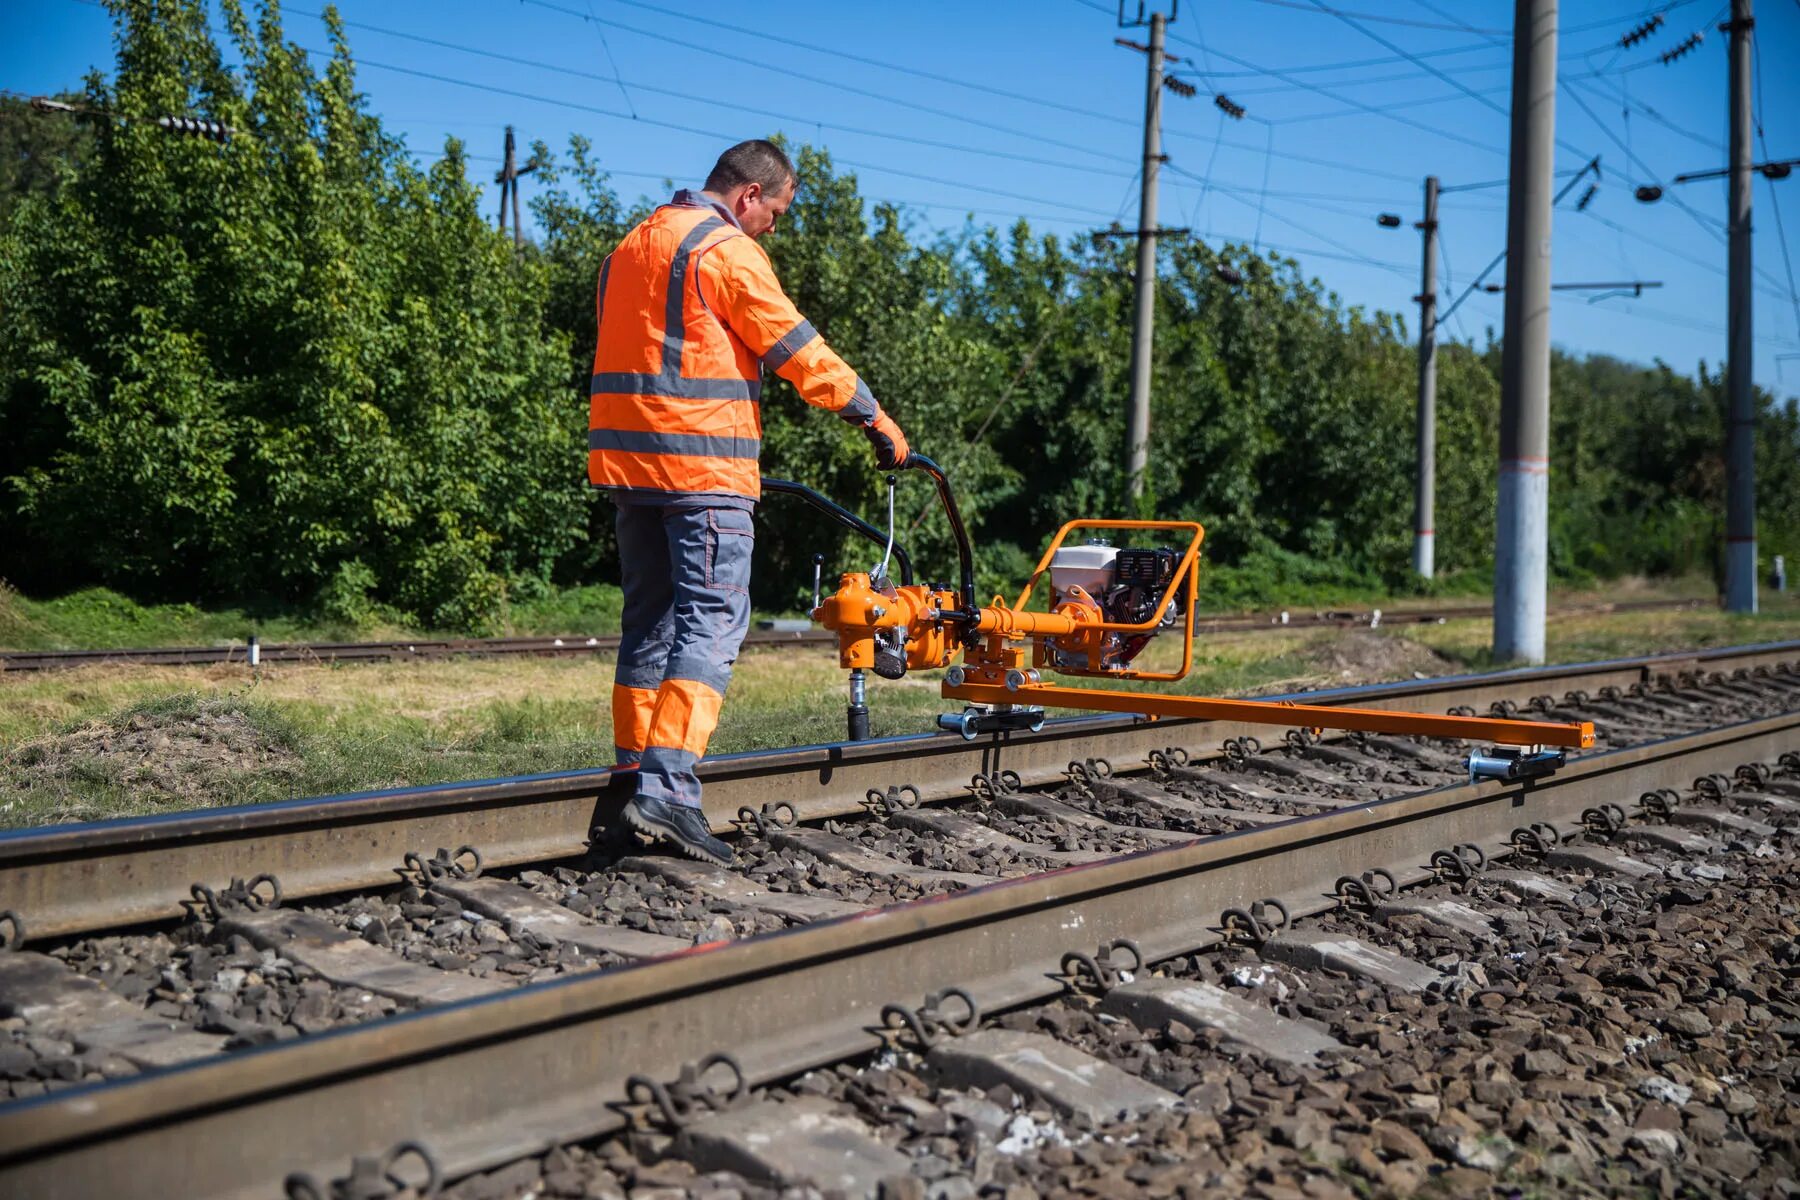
{"x":733,"y":105}
{"x":579,"y":15}
{"x":1363,"y":29}
{"x":1456,"y":27}
{"x":1699,"y":218}
{"x":787,"y":42}
{"x":1255,"y":198}
{"x":901,"y":201}
{"x":1371,"y":109}
{"x":1388,"y":106}
{"x":1774,"y":199}
{"x":1665,"y":248}
{"x":1382,"y":17}
{"x":980,"y":122}
{"x":701,"y":132}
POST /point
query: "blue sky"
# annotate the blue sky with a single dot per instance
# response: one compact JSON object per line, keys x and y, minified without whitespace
{"x":1010,"y":108}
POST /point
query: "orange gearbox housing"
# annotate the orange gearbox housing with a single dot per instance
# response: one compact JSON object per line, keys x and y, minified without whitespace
{"x":858,"y":611}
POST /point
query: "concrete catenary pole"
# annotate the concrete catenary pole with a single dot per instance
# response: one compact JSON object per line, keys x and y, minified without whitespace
{"x":1521,"y":549}
{"x":1425,"y":494}
{"x":1137,"y":429}
{"x":1740,"y":437}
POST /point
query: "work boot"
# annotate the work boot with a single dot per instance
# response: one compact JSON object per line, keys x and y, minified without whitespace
{"x":678,"y":823}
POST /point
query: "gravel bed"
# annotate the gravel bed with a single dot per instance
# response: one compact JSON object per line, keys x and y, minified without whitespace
{"x":648,"y":903}
{"x":1643,"y":1041}
{"x":1122,"y":811}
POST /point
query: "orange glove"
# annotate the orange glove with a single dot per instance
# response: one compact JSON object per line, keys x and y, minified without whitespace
{"x":890,"y":444}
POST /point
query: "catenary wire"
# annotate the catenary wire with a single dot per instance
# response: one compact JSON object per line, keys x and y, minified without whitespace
{"x":945,"y":113}
{"x":1774,"y":200}
{"x":1700,"y":219}
{"x":1357,"y":104}
{"x":707,"y":133}
{"x":1363,"y":29}
{"x":613,"y":63}
{"x":1384,"y":18}
{"x":733,"y":105}
{"x":787,"y":42}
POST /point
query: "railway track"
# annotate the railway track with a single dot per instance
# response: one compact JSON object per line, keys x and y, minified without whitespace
{"x":570,"y":645}
{"x":918,"y":927}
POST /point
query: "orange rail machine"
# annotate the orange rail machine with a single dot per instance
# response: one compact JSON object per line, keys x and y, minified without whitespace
{"x":1105,"y":605}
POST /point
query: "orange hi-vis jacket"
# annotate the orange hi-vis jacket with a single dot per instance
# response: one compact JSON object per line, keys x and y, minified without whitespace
{"x":690,"y":312}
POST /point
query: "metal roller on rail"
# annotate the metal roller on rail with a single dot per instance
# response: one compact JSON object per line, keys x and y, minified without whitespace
{"x":1106,"y":603}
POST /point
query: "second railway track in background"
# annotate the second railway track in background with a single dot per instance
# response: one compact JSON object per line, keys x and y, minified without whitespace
{"x":570,"y":645}
{"x":554,"y":986}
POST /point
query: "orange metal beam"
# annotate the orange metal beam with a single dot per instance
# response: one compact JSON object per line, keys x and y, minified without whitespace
{"x":1270,"y":712}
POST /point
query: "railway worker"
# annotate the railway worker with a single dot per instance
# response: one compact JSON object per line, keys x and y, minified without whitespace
{"x":689,"y":314}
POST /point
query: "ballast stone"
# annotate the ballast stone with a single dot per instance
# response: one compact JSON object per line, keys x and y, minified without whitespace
{"x":1072,"y":1083}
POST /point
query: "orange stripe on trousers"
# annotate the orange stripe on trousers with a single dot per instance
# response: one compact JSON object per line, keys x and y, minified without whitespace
{"x":631,"y":711}
{"x":686,"y":714}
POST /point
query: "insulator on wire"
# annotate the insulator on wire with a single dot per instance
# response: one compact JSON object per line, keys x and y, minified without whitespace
{"x":1687,"y":44}
{"x":1581,"y":204}
{"x":1234,"y":111}
{"x":216,"y":131}
{"x":1180,"y":87}
{"x":1642,"y":31}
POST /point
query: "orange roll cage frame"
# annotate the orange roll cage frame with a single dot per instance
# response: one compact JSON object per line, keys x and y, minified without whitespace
{"x":934,"y":624}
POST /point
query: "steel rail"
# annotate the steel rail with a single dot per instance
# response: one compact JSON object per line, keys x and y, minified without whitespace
{"x":491,"y":1080}
{"x":570,"y":645}
{"x":71,"y":879}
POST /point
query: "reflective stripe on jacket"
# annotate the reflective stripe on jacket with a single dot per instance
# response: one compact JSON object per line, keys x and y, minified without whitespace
{"x":689,"y":311}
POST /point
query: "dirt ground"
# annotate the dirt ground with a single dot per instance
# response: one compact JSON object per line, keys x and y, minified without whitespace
{"x":1366,"y":656}
{"x":180,"y":757}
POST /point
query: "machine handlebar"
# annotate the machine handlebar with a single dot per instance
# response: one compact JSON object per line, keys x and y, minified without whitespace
{"x":965,"y":552}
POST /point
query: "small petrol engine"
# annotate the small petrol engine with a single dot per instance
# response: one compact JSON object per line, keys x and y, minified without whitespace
{"x":1117,"y":586}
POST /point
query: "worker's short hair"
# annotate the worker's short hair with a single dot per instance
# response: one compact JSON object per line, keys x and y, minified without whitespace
{"x":754,"y":161}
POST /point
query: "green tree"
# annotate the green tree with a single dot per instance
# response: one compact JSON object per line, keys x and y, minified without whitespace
{"x":293,"y":359}
{"x":38,"y":148}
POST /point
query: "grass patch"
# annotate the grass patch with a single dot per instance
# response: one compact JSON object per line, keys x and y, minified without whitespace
{"x":101,"y":619}
{"x":106,"y":741}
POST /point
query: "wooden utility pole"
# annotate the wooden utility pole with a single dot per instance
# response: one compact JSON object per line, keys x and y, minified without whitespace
{"x":1137,"y":437}
{"x":1143,"y":327}
{"x":508,"y":179}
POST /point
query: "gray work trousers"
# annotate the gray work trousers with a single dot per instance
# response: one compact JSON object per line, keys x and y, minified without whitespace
{"x":686,"y":576}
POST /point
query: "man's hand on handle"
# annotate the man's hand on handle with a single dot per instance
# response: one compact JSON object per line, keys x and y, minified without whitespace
{"x":889,"y":443}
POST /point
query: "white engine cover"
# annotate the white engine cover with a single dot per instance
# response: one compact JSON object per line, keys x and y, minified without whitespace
{"x":1089,"y":568}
